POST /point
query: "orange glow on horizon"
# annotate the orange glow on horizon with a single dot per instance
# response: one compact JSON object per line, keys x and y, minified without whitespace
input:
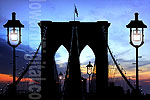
{"x":5,"y":78}
{"x":143,"y":75}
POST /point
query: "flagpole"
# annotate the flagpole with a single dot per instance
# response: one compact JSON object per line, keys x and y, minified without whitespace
{"x":74,"y":12}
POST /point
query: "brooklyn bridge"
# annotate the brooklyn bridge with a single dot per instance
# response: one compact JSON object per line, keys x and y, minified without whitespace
{"x":74,"y":36}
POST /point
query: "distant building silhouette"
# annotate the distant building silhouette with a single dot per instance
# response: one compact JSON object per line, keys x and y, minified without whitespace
{"x":93,"y":81}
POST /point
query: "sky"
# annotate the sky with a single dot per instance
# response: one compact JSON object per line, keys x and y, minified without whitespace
{"x":117,"y":12}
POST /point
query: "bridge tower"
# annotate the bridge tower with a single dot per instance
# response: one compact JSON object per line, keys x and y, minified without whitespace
{"x":55,"y":34}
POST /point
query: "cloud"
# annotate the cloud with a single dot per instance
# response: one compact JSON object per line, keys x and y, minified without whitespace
{"x":6,"y":56}
{"x":91,"y":59}
{"x":3,"y":20}
{"x":62,"y":64}
{"x":7,"y":78}
{"x":123,"y":52}
{"x":57,"y":55}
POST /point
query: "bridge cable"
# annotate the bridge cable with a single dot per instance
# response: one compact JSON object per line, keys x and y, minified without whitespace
{"x":31,"y":62}
{"x":127,"y":81}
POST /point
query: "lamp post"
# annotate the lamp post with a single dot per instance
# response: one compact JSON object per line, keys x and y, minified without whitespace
{"x":89,"y":72}
{"x":60,"y":78}
{"x":136,"y":40}
{"x":13,"y":38}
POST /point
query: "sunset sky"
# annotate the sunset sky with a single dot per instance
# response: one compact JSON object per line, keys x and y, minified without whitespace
{"x":117,"y":12}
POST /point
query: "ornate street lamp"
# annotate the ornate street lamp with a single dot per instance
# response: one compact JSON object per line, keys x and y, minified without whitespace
{"x":14,"y":38}
{"x":89,"y":72}
{"x":136,"y":39}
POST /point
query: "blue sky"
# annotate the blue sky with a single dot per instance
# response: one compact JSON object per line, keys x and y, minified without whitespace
{"x":117,"y":12}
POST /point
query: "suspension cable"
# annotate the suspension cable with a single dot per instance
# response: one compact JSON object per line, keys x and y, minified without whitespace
{"x":31,"y":62}
{"x":127,"y":81}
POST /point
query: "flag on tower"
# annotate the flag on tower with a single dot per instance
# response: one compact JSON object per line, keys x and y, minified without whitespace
{"x":76,"y":11}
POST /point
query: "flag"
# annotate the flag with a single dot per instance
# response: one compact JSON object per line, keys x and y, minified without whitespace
{"x":76,"y":11}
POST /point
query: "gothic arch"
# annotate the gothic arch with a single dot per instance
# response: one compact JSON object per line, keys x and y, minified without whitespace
{"x":61,"y":58}
{"x":87,"y":55}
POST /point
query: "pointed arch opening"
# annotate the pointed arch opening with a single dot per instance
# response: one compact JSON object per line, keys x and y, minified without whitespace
{"x":87,"y":55}
{"x":61,"y":59}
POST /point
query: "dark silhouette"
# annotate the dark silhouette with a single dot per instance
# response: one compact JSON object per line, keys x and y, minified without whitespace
{"x":74,"y":36}
{"x":138,"y":31}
